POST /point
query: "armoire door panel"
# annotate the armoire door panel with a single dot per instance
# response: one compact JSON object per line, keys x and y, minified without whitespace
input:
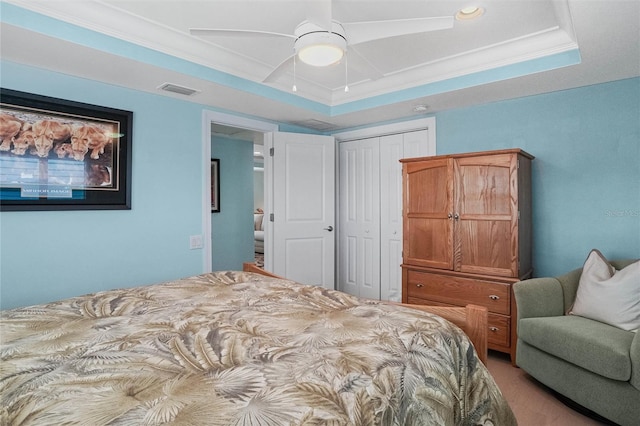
{"x":428,"y":214}
{"x":486,"y":206}
{"x":486,"y":247}
{"x":483,"y":190}
{"x":424,"y":245}
{"x":436,"y":178}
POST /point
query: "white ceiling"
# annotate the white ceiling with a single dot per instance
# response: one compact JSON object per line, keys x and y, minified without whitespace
{"x":517,"y":48}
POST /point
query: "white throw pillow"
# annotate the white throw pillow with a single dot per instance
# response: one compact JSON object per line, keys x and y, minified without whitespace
{"x":607,"y":295}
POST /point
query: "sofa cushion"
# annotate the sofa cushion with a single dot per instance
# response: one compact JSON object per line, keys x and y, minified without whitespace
{"x":592,"y":345}
{"x":607,"y":295}
{"x":257,"y":222}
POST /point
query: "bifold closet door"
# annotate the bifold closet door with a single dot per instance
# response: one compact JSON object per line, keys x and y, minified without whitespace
{"x":359,"y":218}
{"x":391,"y":151}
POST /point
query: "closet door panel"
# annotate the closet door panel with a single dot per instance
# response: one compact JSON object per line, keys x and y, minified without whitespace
{"x":359,"y":225}
{"x":369,"y":229}
{"x":391,"y":151}
{"x":417,"y":144}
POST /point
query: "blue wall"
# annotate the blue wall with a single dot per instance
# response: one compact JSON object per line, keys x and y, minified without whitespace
{"x":586,"y":180}
{"x":45,"y":256}
{"x":232,"y":228}
{"x":586,"y":175}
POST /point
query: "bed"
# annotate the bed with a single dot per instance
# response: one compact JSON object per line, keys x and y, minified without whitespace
{"x":240,"y":348}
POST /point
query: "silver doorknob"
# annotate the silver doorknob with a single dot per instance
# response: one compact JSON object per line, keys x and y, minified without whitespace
{"x":329,"y":228}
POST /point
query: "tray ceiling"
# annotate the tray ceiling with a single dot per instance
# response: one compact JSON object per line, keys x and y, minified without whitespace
{"x":512,"y":40}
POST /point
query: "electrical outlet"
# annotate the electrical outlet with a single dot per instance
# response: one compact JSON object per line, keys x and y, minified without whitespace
{"x":195,"y":242}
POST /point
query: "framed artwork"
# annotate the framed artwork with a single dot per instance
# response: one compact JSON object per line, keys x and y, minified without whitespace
{"x":215,"y":185}
{"x":57,"y":154}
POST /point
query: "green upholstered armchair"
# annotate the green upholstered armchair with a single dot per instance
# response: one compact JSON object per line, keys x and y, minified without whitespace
{"x":592,"y":363}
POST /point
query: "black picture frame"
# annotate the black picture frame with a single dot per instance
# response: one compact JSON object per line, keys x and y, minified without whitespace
{"x":57,"y":154}
{"x":215,"y":185}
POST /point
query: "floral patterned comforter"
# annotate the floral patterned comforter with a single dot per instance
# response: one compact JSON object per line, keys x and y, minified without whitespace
{"x":235,"y":348}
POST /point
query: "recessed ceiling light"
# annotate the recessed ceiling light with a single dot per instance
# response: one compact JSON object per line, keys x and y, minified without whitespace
{"x":467,"y":13}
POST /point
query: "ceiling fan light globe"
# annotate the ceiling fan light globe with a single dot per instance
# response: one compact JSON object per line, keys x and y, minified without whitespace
{"x":321,"y":55}
{"x":320,"y":49}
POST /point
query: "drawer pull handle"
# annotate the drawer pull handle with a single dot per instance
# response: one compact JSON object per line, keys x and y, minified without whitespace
{"x":494,"y":329}
{"x":494,"y":297}
{"x":419,"y":285}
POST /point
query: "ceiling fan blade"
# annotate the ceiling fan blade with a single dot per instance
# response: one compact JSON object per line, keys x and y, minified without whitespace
{"x":362,"y":64}
{"x":203,"y":32}
{"x":360,"y":32}
{"x":279,"y":70}
{"x":320,"y":13}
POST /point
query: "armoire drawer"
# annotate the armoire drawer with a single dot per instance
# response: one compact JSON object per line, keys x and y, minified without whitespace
{"x":499,"y":330}
{"x":459,"y":291}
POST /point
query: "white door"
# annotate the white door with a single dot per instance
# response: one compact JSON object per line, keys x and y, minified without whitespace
{"x":359,"y":241}
{"x":418,"y":144}
{"x":391,"y":150}
{"x":304,"y":208}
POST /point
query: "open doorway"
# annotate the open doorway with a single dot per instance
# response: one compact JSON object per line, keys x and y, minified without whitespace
{"x":304,"y":173}
{"x":258,"y":202}
{"x":209,"y":119}
{"x":241,"y":221}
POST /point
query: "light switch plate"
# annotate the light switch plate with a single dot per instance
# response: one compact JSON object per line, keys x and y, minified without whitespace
{"x":195,"y":242}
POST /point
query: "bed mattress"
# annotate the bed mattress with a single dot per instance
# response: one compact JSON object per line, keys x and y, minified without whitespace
{"x":236,"y":348}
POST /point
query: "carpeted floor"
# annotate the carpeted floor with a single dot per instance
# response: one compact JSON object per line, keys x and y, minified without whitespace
{"x":533,"y":403}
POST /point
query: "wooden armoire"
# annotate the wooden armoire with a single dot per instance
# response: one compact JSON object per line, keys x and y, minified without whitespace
{"x":467,"y":234}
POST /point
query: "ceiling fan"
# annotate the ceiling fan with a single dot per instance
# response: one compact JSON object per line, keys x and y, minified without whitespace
{"x":321,"y":41}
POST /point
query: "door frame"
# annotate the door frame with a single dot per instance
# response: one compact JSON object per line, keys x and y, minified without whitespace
{"x":428,"y":123}
{"x":208,"y":118}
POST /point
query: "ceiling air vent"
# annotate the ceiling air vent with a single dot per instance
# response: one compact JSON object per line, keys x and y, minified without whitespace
{"x":315,"y":124}
{"x":181,"y":90}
